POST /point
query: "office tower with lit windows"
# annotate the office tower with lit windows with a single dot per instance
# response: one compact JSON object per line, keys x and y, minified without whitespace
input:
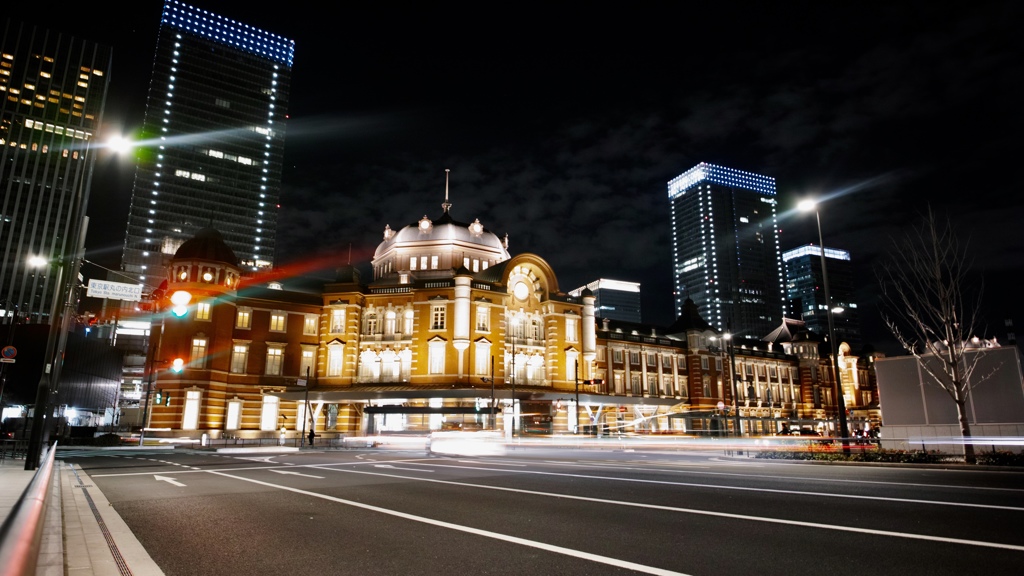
{"x":53,"y":87}
{"x":613,"y":299}
{"x":725,"y":248}
{"x":213,"y":140}
{"x":805,"y":289}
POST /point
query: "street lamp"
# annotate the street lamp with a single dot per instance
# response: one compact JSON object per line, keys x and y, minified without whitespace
{"x":513,"y":323}
{"x":807,"y":206}
{"x":46,"y":378}
{"x":731,"y":354}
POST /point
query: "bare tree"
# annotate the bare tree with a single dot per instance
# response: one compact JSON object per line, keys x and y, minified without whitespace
{"x":932,"y":307}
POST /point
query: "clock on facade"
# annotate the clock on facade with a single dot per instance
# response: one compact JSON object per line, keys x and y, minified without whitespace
{"x":521,"y":291}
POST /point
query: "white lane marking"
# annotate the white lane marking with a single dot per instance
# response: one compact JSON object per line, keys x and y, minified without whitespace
{"x":708,"y":513}
{"x":400,"y":468}
{"x":266,"y":459}
{"x":166,"y":479}
{"x":489,"y":462}
{"x":605,"y":464}
{"x":744,"y":488}
{"x":295,"y":473}
{"x":485,"y":533}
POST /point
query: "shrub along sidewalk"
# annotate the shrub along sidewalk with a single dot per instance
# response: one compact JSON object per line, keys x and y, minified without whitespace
{"x":830,"y":454}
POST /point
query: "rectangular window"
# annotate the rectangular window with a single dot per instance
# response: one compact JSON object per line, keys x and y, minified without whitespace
{"x":268,"y":415}
{"x":482,"y":362}
{"x":437,"y":317}
{"x":234,"y":416}
{"x":190,"y":418}
{"x":571,"y":329}
{"x":412,"y":263}
{"x":277,"y":321}
{"x":703,"y":362}
{"x":337,"y":321}
{"x":274,"y":361}
{"x":617,"y":356}
{"x":334,"y":361}
{"x":197,"y":359}
{"x":634,"y":358}
{"x":706,"y":385}
{"x":436,"y":360}
{"x":309,"y":324}
{"x":652,"y":359}
{"x":203,"y":311}
{"x":239,"y":357}
{"x":306,"y":364}
{"x":423,"y":262}
{"x":483,"y":319}
{"x":433,"y":262}
{"x":244,"y":318}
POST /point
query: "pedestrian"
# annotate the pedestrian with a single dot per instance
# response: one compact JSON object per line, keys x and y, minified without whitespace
{"x":311,"y":436}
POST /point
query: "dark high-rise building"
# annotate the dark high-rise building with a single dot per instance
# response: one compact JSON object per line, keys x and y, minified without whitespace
{"x":53,"y":88}
{"x":805,"y":289}
{"x":614,"y":299}
{"x":725,"y":248}
{"x":213,"y":141}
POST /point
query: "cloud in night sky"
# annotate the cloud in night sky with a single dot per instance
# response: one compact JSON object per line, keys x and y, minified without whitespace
{"x":562,"y":126}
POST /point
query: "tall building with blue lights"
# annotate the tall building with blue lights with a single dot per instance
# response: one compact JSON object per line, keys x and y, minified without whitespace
{"x":213,"y":141}
{"x":805,"y":289}
{"x":725,"y":248}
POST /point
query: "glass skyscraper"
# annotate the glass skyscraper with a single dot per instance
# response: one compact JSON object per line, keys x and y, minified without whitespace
{"x":614,"y":299}
{"x":53,"y":88}
{"x":725,"y":248}
{"x":805,"y":289}
{"x":213,"y":140}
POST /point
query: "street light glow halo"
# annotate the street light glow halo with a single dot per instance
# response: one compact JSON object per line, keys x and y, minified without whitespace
{"x":807,"y":205}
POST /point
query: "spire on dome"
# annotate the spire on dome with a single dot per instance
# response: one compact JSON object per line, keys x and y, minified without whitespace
{"x":446,"y":204}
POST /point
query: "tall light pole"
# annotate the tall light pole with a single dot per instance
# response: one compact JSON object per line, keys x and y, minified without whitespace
{"x":728,"y":352}
{"x":513,"y":323}
{"x":576,"y":370}
{"x":42,"y":405}
{"x":807,"y":206}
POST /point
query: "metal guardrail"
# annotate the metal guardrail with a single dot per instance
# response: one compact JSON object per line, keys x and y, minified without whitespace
{"x":22,"y":532}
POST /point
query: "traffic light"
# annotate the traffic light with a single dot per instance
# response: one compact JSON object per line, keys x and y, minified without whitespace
{"x":159,"y":397}
{"x":180,"y":299}
{"x":178,"y":365}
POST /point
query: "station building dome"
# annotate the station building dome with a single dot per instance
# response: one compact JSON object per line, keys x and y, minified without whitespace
{"x":431,"y":248}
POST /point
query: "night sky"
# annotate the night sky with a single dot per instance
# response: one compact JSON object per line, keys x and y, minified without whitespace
{"x":562,"y":126}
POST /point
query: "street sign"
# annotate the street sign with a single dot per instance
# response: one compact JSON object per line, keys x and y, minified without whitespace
{"x":114,"y":290}
{"x":7,"y":360}
{"x":8,"y":353}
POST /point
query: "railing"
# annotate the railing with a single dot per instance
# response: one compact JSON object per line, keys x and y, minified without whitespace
{"x":13,"y":447}
{"x":22,"y":531}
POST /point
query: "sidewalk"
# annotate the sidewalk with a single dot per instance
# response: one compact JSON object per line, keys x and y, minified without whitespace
{"x":91,"y":539}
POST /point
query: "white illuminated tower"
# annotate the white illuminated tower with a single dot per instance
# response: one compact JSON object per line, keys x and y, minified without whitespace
{"x":213,"y":141}
{"x":725,"y":248}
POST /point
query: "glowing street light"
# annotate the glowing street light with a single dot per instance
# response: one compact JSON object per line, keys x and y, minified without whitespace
{"x":807,"y":206}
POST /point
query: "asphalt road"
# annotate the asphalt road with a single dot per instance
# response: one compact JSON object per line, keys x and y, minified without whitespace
{"x":540,"y":512}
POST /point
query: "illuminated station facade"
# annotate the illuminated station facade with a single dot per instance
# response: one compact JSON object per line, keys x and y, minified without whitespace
{"x":453,"y":332}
